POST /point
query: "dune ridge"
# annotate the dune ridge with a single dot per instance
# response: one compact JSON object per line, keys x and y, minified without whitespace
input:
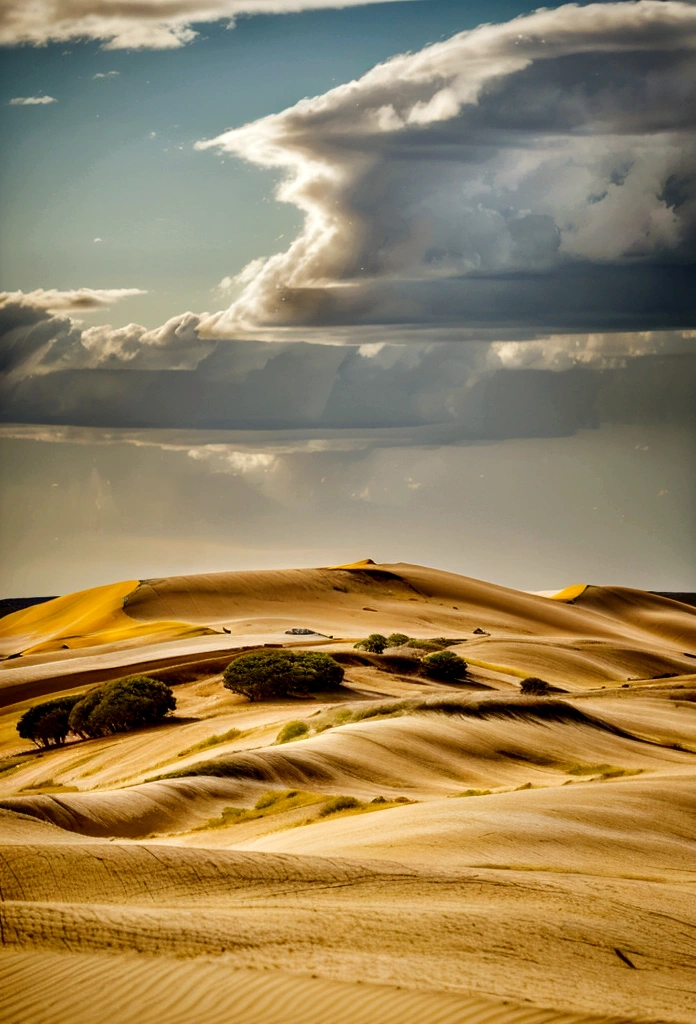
{"x":541,"y":870}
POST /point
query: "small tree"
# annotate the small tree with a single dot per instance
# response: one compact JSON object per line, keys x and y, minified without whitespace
{"x":278,"y":673}
{"x":535,"y":687}
{"x":373,"y":644}
{"x":445,"y":665}
{"x":397,"y":640}
{"x":80,"y":714}
{"x":47,"y":724}
{"x":125,"y":704}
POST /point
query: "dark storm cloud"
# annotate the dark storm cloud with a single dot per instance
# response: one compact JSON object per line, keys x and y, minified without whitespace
{"x":540,"y":173}
{"x":439,"y":392}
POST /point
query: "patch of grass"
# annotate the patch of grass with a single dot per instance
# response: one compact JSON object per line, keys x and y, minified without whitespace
{"x":474,"y":792}
{"x":211,"y":741}
{"x":48,"y":786}
{"x":274,"y":802}
{"x":607,"y":771}
{"x":341,"y":717}
{"x":616,"y":773}
{"x":292,"y":731}
{"x":339,"y":803}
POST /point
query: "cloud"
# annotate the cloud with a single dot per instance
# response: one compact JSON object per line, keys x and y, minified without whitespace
{"x":106,"y":74}
{"x":539,"y":173}
{"x":31,"y":101}
{"x":73,"y":300}
{"x":53,"y":370}
{"x":148,"y":24}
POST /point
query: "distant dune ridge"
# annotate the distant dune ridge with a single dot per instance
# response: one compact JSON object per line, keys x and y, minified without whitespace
{"x":493,"y":858}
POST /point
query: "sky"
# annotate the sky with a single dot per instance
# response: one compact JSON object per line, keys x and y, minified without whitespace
{"x":285,"y":283}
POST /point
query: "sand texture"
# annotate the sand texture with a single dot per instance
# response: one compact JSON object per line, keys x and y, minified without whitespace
{"x":508,"y":858}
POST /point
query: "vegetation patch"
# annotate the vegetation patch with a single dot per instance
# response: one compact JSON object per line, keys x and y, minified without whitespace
{"x":268,"y":804}
{"x":292,"y":731}
{"x":350,"y":804}
{"x":474,"y":792}
{"x":535,"y":687}
{"x":607,"y":771}
{"x":211,"y":741}
{"x":267,"y":674}
{"x":445,"y":666}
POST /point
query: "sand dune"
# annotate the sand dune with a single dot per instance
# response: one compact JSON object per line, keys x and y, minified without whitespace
{"x":139,"y":990}
{"x":89,"y":618}
{"x":561,"y":887}
{"x":496,"y":745}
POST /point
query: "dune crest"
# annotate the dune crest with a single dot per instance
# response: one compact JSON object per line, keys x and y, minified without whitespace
{"x":419,"y":851}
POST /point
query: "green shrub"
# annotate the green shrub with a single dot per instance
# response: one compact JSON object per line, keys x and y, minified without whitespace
{"x":80,"y":714}
{"x":47,"y":724}
{"x":397,"y":640}
{"x":445,"y":665}
{"x":373,"y":644}
{"x":535,"y":687}
{"x":292,"y":731}
{"x":273,"y":797}
{"x":339,"y":803}
{"x":279,"y":673}
{"x":125,"y":704}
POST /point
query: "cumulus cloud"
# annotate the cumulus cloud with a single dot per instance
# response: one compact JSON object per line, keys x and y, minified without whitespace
{"x":71,"y":300}
{"x":34,"y":341}
{"x":148,"y":24}
{"x":539,"y":173}
{"x":106,"y":74}
{"x":31,"y":101}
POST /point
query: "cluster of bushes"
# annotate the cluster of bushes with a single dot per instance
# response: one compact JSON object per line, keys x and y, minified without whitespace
{"x":125,"y":704}
{"x":440,"y":664}
{"x":279,"y":673}
{"x":535,"y":687}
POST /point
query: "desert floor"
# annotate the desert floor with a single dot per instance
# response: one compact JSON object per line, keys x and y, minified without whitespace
{"x":510,"y":858}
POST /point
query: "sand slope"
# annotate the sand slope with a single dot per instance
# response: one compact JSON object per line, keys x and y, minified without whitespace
{"x":136,"y":990}
{"x":562,"y":887}
{"x":88,"y":618}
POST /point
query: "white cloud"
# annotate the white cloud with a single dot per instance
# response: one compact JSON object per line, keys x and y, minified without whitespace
{"x":476,"y":180}
{"x":149,"y":24}
{"x":106,"y":74}
{"x":73,"y":300}
{"x":31,"y":101}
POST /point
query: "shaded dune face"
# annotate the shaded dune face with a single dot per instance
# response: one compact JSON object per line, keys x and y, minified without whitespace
{"x":542,"y":868}
{"x":482,"y":744}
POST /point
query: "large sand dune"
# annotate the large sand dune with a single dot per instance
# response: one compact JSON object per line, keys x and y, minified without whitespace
{"x":542,"y":869}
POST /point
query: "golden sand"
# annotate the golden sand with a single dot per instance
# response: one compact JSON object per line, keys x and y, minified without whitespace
{"x":542,"y":868}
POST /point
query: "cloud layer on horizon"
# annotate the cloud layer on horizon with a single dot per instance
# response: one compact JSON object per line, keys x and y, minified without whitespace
{"x":53,"y":370}
{"x":148,"y":24}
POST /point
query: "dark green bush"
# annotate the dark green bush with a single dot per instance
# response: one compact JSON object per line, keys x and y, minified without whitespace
{"x":339,"y":803}
{"x":397,"y":640}
{"x":445,"y":665}
{"x":373,"y":644}
{"x":278,"y":673}
{"x":80,"y":714}
{"x":125,"y":704}
{"x":47,"y":724}
{"x":535,"y":687}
